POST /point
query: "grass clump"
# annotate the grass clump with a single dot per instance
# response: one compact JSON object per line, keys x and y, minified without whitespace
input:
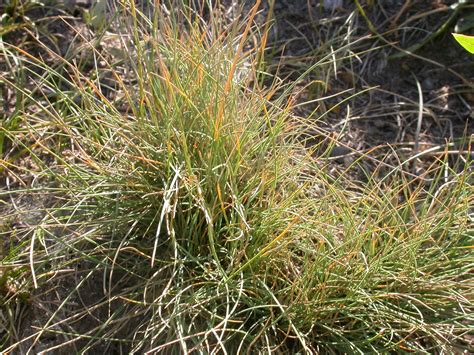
{"x":176,"y":210}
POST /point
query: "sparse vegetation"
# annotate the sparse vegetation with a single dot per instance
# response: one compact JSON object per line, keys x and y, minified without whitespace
{"x":162,"y":193}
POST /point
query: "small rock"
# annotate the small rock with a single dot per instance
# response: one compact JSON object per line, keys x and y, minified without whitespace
{"x":427,"y":84}
{"x":339,"y":152}
{"x":332,"y":4}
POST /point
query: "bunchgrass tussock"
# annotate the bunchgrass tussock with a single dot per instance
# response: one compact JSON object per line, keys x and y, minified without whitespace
{"x":175,"y":209}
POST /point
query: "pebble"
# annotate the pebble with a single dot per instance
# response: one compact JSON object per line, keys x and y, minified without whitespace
{"x":427,"y":84}
{"x":339,"y":152}
{"x":332,"y":4}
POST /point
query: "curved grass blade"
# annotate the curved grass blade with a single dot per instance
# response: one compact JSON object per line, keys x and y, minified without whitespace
{"x":466,"y":41}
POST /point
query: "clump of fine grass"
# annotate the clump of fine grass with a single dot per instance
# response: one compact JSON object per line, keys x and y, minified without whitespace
{"x":191,"y":219}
